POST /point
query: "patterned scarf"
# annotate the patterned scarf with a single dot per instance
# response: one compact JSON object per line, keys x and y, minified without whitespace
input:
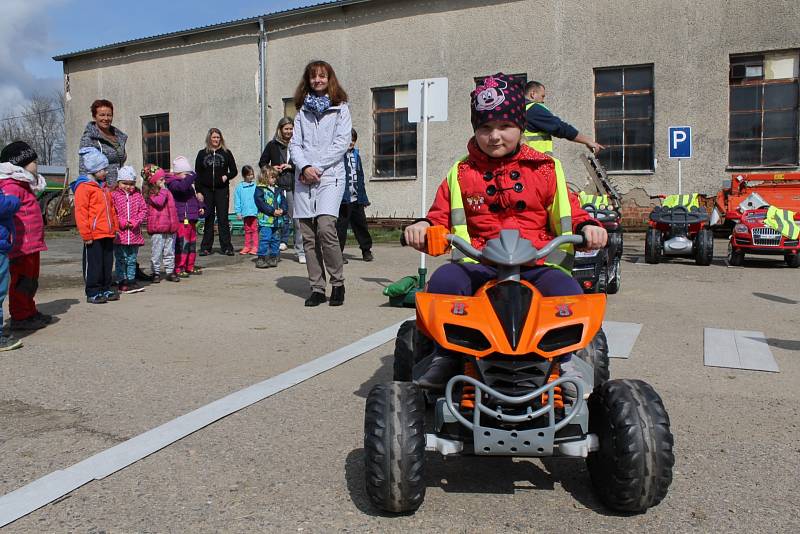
{"x":317,"y":104}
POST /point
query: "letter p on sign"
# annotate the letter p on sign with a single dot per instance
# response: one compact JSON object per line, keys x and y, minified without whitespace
{"x":680,"y":142}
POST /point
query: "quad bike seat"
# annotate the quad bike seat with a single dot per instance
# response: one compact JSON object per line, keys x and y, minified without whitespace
{"x":678,"y":215}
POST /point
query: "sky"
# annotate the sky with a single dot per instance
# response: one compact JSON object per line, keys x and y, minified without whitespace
{"x":33,"y":31}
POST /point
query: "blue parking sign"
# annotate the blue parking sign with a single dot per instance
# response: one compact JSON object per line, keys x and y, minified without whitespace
{"x":680,"y":142}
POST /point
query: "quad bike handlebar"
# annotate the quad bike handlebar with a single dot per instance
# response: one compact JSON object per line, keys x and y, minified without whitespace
{"x":603,"y":215}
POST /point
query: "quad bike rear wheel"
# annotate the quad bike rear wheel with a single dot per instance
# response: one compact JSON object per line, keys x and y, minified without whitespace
{"x":632,"y":469}
{"x":602,"y":280}
{"x":735,"y":257}
{"x":704,"y":247}
{"x":652,"y":245}
{"x":792,"y":260}
{"x":614,"y":277}
{"x":410,"y":347}
{"x":596,"y":354}
{"x":394,"y":446}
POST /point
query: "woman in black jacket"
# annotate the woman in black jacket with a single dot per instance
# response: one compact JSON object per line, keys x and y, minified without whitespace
{"x":276,"y":154}
{"x":215,"y":168}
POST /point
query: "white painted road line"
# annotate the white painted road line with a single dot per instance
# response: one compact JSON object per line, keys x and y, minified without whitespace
{"x":621,"y":338}
{"x":737,"y":349}
{"x":45,"y":490}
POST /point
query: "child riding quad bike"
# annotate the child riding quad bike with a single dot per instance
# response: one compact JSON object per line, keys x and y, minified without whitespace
{"x":599,"y":271}
{"x":679,"y":227}
{"x":512,"y":399}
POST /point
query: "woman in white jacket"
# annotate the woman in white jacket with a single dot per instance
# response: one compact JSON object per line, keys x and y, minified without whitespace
{"x":321,"y":138}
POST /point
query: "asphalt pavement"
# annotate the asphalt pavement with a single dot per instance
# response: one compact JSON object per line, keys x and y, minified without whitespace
{"x":294,"y":462}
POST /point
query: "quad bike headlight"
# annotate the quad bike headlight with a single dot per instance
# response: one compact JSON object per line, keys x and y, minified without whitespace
{"x":741,"y":229}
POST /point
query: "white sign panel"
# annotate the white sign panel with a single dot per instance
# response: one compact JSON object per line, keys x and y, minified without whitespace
{"x":437,"y":100}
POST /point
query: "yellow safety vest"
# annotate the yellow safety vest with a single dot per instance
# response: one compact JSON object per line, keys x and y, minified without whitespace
{"x":539,"y":141}
{"x":559,"y":217}
{"x":692,"y":200}
{"x":598,"y":201}
{"x":783,"y":221}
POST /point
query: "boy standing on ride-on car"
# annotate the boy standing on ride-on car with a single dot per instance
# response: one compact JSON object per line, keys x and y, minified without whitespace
{"x":502,"y":184}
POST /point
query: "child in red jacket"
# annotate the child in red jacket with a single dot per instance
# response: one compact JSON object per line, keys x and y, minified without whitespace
{"x":96,"y":220}
{"x":502,"y":184}
{"x":19,"y":177}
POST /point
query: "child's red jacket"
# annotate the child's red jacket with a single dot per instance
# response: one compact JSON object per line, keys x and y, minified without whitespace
{"x":534,"y":170}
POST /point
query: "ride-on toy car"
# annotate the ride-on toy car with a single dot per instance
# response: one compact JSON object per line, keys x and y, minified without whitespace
{"x":679,"y":228}
{"x":599,"y":271}
{"x":512,"y":399}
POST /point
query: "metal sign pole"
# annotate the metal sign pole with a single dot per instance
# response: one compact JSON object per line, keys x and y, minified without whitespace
{"x":425,"y":119}
{"x":679,"y":177}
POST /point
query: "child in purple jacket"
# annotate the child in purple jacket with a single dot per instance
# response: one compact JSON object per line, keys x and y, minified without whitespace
{"x":190,"y":208}
{"x":131,"y":213}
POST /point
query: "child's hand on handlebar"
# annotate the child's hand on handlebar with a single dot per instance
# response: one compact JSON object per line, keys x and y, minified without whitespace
{"x":415,"y":235}
{"x":595,"y":237}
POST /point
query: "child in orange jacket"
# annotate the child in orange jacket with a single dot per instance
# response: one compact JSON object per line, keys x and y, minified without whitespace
{"x":97,"y":223}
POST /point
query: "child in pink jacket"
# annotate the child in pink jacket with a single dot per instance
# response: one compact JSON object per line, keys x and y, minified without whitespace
{"x":162,"y":224}
{"x":19,"y":177}
{"x":131,"y":213}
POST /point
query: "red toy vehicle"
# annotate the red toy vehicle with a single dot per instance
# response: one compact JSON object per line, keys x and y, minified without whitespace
{"x":743,"y":203}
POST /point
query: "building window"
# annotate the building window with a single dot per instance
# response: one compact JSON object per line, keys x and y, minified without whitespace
{"x":763,"y":130}
{"x":395,"y":137}
{"x":288,"y":108}
{"x":623,"y":117}
{"x":155,"y":140}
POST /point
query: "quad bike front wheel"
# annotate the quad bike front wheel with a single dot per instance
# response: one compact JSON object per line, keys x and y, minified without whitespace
{"x":410,"y":347}
{"x":394,"y":446}
{"x":632,"y":469}
{"x":652,"y":245}
{"x":735,"y":257}
{"x":704,"y":247}
{"x":596,"y":355}
{"x":614,"y":276}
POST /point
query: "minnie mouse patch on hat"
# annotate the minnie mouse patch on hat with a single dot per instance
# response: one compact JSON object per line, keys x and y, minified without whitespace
{"x":498,"y":98}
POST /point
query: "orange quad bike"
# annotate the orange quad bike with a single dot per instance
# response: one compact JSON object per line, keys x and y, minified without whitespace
{"x":513,"y":398}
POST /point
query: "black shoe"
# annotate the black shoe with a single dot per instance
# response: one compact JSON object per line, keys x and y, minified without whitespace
{"x":31,"y":323}
{"x":227,"y":252}
{"x":172,"y":277}
{"x":156,"y":278}
{"x":43,"y":317}
{"x":337,"y":296}
{"x":262,"y":262}
{"x":315,"y":299}
{"x":111,"y":295}
{"x":272,"y":261}
{"x":443,"y":367}
{"x":9,"y":343}
{"x":367,"y":255}
{"x":204,"y":253}
{"x":97,"y":299}
{"x":143,"y":276}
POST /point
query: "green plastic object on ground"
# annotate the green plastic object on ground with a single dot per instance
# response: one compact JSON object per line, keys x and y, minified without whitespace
{"x":401,"y":287}
{"x":403,"y":293}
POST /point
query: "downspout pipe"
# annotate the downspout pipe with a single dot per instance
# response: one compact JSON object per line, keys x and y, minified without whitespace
{"x":262,"y":93}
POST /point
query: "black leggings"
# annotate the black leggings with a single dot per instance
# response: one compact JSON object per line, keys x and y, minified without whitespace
{"x":216,"y":202}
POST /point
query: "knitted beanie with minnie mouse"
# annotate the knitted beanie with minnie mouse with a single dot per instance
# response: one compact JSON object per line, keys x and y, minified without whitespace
{"x":498,"y":98}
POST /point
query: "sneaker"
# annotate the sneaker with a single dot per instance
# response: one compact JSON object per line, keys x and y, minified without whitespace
{"x":204,"y":253}
{"x":367,"y":255}
{"x":31,"y":323}
{"x":262,"y":262}
{"x":272,"y":261}
{"x":253,"y":251}
{"x":196,"y":270}
{"x":143,"y":276}
{"x":133,"y":287}
{"x":442,"y":368}
{"x":111,"y":295}
{"x":244,"y":251}
{"x":100,"y":298}
{"x":123,"y":286}
{"x":9,"y":343}
{"x":184,"y":274}
{"x":283,"y":246}
{"x":315,"y":299}
{"x":301,"y":259}
{"x":156,"y":278}
{"x":228,"y":252}
{"x":569,"y":370}
{"x":172,"y":277}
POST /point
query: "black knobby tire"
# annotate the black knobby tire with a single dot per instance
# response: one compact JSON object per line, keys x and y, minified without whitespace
{"x":394,"y":446}
{"x":735,"y":257}
{"x":615,"y":280}
{"x":410,"y":347}
{"x":596,"y":354}
{"x":652,"y":245}
{"x":792,"y":260}
{"x":602,"y":280}
{"x":704,"y":252}
{"x":632,"y":469}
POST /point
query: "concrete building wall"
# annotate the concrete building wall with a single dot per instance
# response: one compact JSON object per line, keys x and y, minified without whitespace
{"x":386,"y":43}
{"x":206,"y":80}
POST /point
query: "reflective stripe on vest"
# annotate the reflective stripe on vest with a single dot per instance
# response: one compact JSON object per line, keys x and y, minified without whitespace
{"x":598,"y":201}
{"x":689,"y":201}
{"x":559,"y":215}
{"x":539,"y":141}
{"x":783,"y":221}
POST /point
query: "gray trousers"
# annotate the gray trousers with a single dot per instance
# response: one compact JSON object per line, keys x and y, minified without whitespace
{"x":321,"y":244}
{"x":163,"y":253}
{"x":298,"y":236}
